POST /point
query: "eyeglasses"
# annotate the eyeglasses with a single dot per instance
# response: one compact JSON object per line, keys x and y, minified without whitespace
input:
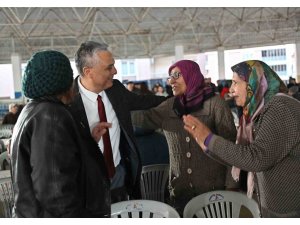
{"x":174,"y":76}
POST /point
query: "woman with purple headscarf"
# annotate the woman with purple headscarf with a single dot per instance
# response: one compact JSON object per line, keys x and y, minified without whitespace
{"x":191,"y":171}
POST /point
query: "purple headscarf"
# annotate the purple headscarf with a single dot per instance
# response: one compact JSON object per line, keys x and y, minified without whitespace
{"x":196,"y":91}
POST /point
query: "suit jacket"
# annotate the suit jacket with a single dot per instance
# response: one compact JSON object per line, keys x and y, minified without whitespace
{"x":123,"y":101}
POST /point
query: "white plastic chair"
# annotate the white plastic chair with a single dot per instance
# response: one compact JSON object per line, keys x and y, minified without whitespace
{"x":142,"y":209}
{"x":153,"y":181}
{"x":4,"y":161}
{"x":220,"y":204}
{"x":6,"y":196}
{"x":6,"y":130}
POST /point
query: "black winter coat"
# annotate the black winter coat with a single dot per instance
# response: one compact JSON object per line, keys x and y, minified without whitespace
{"x":55,"y":173}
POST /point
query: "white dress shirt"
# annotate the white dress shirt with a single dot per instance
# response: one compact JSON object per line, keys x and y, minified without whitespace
{"x":91,"y":108}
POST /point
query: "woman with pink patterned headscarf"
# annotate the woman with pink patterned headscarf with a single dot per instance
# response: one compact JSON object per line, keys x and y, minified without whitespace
{"x":268,"y":140}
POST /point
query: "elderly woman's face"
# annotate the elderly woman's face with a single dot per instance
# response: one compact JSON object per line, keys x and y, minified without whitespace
{"x":177,"y":83}
{"x":238,"y":90}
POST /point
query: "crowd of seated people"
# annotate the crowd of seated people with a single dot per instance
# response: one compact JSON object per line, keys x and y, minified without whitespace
{"x":141,"y":87}
{"x":152,"y":144}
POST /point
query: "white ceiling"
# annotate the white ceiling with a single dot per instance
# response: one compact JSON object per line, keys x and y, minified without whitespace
{"x":144,"y":32}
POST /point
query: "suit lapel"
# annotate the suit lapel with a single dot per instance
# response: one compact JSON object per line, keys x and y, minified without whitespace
{"x":114,"y":100}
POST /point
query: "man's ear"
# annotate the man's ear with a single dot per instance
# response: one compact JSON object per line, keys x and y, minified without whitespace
{"x":86,"y":71}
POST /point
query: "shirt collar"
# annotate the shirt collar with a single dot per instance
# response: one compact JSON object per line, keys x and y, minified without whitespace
{"x":89,"y":94}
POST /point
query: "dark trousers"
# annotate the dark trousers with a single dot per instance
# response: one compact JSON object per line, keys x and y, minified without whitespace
{"x":118,"y":189}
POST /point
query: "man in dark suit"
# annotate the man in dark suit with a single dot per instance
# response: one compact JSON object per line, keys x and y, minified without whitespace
{"x":95,"y":65}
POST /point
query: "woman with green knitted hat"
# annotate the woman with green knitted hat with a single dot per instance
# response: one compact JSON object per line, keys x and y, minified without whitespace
{"x":52,"y":172}
{"x":268,"y":140}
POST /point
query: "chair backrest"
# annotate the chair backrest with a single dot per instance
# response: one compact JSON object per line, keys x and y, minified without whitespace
{"x":220,"y":204}
{"x":6,"y":130}
{"x":4,"y":161}
{"x":153,"y":181}
{"x":142,"y":209}
{"x":6,"y":196}
{"x":2,"y":146}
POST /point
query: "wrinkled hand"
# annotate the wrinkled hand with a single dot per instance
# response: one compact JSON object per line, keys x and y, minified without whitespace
{"x":99,"y":130}
{"x":197,"y":129}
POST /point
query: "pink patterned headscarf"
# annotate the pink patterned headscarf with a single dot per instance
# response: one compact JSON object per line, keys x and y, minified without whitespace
{"x":196,"y":92}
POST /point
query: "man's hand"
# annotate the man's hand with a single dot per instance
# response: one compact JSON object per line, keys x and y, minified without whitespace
{"x":99,"y":130}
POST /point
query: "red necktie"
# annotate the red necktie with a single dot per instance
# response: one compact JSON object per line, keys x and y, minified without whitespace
{"x":108,"y":156}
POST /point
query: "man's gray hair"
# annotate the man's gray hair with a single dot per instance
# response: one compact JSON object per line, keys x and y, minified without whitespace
{"x":85,"y":53}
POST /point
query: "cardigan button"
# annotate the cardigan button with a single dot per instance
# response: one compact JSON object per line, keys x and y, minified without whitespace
{"x":188,"y":155}
{"x":189,"y":171}
{"x":187,"y":139}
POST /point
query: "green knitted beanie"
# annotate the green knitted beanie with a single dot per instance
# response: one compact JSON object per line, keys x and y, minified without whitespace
{"x":47,"y":73}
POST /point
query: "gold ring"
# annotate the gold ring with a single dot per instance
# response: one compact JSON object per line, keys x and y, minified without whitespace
{"x":193,"y":127}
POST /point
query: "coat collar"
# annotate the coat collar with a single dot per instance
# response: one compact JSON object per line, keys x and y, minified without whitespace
{"x":78,"y":110}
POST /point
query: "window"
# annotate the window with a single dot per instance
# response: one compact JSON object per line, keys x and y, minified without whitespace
{"x":277,"y":54}
{"x":124,"y":68}
{"x":279,"y":68}
{"x":131,"y":68}
{"x":7,"y":82}
{"x":128,"y":67}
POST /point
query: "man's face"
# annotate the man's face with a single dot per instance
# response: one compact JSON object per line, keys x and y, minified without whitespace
{"x":102,"y":72}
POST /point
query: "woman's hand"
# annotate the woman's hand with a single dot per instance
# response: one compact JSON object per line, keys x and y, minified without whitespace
{"x":99,"y":130}
{"x":197,"y":129}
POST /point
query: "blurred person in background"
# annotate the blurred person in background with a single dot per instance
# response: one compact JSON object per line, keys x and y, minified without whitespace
{"x":130,"y":86}
{"x":292,"y":82}
{"x":161,"y":91}
{"x":12,"y":116}
{"x":294,"y":92}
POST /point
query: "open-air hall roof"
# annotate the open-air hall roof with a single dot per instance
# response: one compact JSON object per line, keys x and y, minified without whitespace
{"x":139,"y":32}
